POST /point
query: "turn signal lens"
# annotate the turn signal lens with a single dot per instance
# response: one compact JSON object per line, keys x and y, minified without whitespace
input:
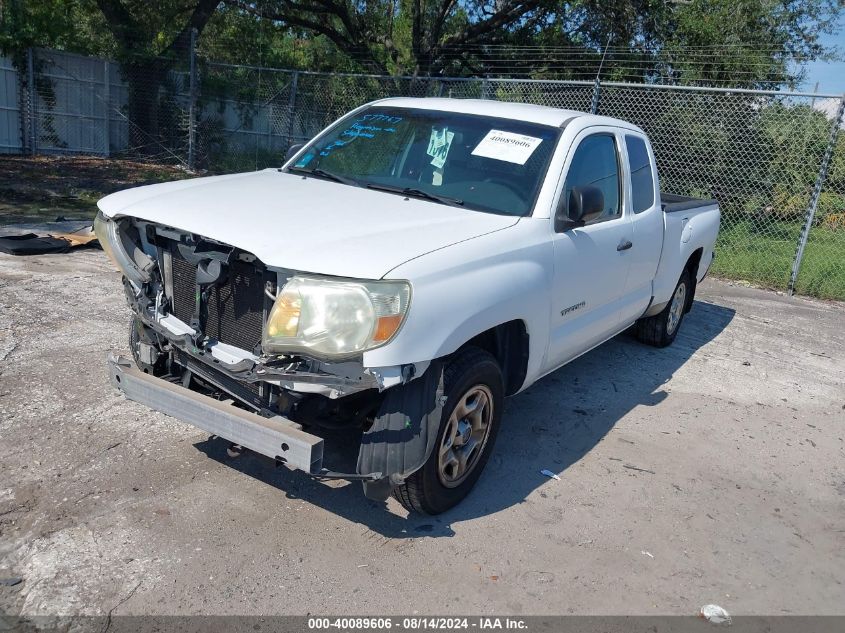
{"x":284,"y":318}
{"x":386,"y":327}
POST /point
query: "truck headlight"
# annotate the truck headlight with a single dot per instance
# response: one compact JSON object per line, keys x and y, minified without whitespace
{"x":126,"y":255}
{"x":335,"y":318}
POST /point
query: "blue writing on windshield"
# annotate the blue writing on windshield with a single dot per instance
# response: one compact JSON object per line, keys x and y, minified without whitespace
{"x":383,"y":118}
{"x":364,"y":127}
{"x":302,"y":162}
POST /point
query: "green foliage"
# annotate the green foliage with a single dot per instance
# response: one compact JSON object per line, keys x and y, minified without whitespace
{"x":236,"y":37}
{"x":740,"y":42}
{"x":766,"y":259}
{"x":74,"y":25}
{"x":836,"y":175}
{"x":750,"y":42}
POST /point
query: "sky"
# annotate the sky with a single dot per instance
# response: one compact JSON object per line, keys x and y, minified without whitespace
{"x":829,"y":75}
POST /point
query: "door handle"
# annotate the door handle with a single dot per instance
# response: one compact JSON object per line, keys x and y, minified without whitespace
{"x":624,"y":245}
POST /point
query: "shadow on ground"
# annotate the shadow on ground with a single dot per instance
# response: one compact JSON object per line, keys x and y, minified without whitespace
{"x":551,"y":425}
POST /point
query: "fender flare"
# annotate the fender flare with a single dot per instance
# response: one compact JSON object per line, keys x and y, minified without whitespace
{"x":402,"y":437}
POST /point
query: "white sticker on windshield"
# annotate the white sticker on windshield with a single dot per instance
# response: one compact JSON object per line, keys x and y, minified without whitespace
{"x":438,"y":146}
{"x":507,"y":146}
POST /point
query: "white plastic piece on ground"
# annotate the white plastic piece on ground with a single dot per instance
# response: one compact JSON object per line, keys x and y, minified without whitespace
{"x":715,"y":614}
{"x":549,"y":474}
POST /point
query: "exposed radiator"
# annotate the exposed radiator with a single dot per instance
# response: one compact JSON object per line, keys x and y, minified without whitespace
{"x":235,"y":307}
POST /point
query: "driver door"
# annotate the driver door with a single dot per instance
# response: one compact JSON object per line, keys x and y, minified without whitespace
{"x":590,"y":262}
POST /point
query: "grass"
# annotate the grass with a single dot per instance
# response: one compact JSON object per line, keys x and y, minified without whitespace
{"x":822,"y":272}
{"x":764,"y":257}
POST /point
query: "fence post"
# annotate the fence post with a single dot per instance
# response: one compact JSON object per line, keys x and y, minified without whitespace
{"x":23,"y":109}
{"x":107,"y":100}
{"x":814,"y":198}
{"x":192,"y":106}
{"x":485,"y":88}
{"x":32,"y":92}
{"x":294,"y":82}
{"x":594,"y":106}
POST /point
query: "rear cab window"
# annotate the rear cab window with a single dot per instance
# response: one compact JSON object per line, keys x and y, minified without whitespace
{"x":642,"y":175}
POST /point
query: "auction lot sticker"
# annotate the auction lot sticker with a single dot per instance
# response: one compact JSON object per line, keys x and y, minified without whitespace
{"x":507,"y":146}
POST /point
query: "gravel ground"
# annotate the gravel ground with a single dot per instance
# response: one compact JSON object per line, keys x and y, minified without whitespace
{"x":708,"y":472}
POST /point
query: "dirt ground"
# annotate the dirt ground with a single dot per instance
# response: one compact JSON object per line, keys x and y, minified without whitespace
{"x":45,"y":188}
{"x":708,"y":472}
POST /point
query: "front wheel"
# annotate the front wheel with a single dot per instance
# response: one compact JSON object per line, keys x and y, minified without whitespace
{"x":471,"y":417}
{"x":662,"y":328}
{"x":138,"y":334}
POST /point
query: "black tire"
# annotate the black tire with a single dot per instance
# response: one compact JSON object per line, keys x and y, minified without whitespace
{"x":423,"y":491}
{"x":134,"y":340}
{"x":662,"y":328}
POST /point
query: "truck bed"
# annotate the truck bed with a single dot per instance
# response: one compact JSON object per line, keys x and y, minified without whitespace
{"x":671,"y":202}
{"x":690,"y":225}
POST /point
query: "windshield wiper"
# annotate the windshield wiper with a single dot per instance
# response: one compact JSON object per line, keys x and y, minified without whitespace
{"x":417,"y":193}
{"x":322,"y":173}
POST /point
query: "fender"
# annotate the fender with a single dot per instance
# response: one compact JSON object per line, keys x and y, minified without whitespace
{"x":403,"y":434}
{"x":685,"y":232}
{"x":467,"y":288}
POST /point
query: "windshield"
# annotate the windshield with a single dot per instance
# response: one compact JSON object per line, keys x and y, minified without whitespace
{"x":477,"y":162}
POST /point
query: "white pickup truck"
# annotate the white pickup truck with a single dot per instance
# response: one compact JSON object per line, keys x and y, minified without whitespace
{"x":403,"y":272}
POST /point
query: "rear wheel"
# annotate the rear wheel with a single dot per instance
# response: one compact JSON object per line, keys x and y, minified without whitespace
{"x":662,"y":328}
{"x":471,"y":417}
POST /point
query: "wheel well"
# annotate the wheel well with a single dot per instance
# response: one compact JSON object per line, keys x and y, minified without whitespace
{"x":693,"y":262}
{"x":692,"y":267}
{"x":508,"y":343}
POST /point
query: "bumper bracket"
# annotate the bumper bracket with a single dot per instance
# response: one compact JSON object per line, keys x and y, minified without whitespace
{"x":277,"y":438}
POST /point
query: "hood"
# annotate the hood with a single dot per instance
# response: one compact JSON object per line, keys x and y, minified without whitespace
{"x":306,"y":224}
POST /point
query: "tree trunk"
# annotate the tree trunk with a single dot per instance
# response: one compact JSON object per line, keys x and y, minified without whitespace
{"x":145,"y":79}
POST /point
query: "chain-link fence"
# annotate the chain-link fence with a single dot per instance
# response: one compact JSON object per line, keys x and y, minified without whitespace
{"x":759,"y":154}
{"x":774,"y":160}
{"x":819,"y":265}
{"x":73,"y":104}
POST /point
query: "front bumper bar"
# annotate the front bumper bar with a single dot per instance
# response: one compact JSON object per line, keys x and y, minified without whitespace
{"x":277,"y":438}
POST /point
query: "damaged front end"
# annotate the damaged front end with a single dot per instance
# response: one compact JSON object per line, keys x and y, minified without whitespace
{"x":212,"y":319}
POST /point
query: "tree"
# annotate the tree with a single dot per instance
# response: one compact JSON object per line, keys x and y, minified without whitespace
{"x":64,"y":24}
{"x":744,"y":43}
{"x":149,"y":39}
{"x":748,"y":42}
{"x":399,"y":35}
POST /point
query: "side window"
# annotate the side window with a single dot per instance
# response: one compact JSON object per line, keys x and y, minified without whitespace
{"x":642,"y":178}
{"x":596,"y":164}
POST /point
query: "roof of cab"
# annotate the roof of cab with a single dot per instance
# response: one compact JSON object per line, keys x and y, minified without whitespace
{"x":530,"y":112}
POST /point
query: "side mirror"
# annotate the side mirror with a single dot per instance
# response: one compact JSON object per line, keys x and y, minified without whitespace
{"x":583,"y":205}
{"x":292,"y":150}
